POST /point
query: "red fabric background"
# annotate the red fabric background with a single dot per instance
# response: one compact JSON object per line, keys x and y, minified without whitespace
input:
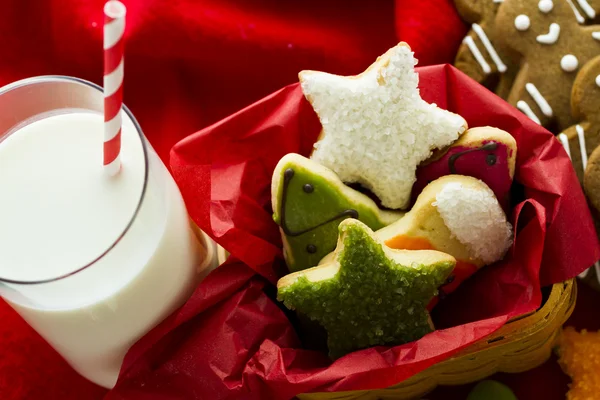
{"x":190,"y":63}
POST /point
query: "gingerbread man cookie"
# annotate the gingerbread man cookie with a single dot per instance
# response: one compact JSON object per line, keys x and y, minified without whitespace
{"x":582,"y":138}
{"x":554,"y":44}
{"x":591,"y":181}
{"x":479,"y":56}
{"x":582,"y":143}
{"x":591,"y":185}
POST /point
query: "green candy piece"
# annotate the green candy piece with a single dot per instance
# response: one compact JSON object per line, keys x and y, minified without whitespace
{"x":491,"y":390}
{"x":369,"y":295}
{"x":309,"y":201}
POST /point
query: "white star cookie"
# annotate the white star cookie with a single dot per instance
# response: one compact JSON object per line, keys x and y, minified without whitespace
{"x":376,"y":127}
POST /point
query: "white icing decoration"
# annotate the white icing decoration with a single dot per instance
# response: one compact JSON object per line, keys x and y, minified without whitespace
{"x":489,"y":47}
{"x":477,"y":54}
{"x":598,"y":81}
{"x":596,"y":35}
{"x":539,"y":99}
{"x":579,"y":17}
{"x":545,"y":6}
{"x":498,"y":1}
{"x":522,"y":22}
{"x":582,"y":147}
{"x":552,"y":36}
{"x":569,"y":63}
{"x":524,"y":107}
{"x":585,"y":6}
{"x":565,"y":142}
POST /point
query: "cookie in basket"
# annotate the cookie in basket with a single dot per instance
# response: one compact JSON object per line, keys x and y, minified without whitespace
{"x":485,"y":153}
{"x":309,"y":201}
{"x":369,"y":294}
{"x":458,"y":215}
{"x":376,"y":127}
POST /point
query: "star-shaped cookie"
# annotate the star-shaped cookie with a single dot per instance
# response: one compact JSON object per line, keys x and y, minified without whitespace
{"x":369,"y":295}
{"x":376,"y":127}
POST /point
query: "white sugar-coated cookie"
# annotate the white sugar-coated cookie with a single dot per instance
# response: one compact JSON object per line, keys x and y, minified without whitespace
{"x":376,"y":127}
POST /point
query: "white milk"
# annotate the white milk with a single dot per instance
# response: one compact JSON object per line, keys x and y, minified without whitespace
{"x":59,"y":212}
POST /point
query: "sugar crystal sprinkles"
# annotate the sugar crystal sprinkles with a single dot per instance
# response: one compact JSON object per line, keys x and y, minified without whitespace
{"x":376,"y":127}
{"x":376,"y":313}
{"x":487,"y":234}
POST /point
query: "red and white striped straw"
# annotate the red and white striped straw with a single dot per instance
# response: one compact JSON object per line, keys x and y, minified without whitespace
{"x":114,"y":27}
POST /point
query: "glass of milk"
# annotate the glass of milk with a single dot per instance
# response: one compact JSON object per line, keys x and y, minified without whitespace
{"x":91,"y":262}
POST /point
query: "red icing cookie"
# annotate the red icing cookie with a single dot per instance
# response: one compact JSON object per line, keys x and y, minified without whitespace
{"x":485,"y":153}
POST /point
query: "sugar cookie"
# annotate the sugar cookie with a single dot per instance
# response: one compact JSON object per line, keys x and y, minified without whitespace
{"x":376,"y":127}
{"x":485,"y":153}
{"x":309,"y":201}
{"x":369,"y":294}
{"x":458,"y":215}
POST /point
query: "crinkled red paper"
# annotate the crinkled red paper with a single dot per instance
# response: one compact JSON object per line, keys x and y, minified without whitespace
{"x":232,"y":340}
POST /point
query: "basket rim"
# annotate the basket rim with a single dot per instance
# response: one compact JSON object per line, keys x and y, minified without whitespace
{"x":544,"y":323}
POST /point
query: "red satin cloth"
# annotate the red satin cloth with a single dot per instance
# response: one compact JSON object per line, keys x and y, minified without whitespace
{"x":190,"y":63}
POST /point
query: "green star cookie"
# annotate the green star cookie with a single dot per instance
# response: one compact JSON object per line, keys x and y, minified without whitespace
{"x":369,"y":295}
{"x":309,"y":201}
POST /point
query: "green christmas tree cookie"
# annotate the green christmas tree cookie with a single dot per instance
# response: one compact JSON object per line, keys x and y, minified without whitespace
{"x":369,"y":295}
{"x":309,"y":201}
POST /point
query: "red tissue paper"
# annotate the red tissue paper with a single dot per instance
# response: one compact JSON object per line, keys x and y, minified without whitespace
{"x":232,"y":340}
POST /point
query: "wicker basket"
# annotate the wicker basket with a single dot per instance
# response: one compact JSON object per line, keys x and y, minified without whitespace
{"x":522,"y":344}
{"x":525,"y":342}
